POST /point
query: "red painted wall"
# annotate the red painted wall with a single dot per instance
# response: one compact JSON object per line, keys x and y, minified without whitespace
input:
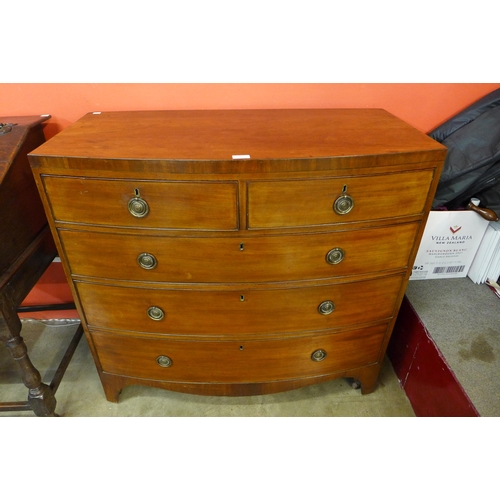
{"x":423,"y":105}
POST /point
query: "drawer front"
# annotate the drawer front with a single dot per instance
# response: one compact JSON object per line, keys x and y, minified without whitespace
{"x":297,"y":203}
{"x":167,"y":205}
{"x":226,"y":259}
{"x":237,"y":361}
{"x":200,"y":311}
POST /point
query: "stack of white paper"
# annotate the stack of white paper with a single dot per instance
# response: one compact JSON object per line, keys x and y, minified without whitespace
{"x":486,"y":263}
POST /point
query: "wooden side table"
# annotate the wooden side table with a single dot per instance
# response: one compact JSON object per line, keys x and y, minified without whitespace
{"x":26,"y":250}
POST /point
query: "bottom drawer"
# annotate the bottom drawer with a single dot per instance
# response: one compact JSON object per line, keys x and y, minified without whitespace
{"x":237,"y":361}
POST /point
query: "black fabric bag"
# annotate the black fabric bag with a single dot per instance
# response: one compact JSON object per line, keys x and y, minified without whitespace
{"x":472,"y":166}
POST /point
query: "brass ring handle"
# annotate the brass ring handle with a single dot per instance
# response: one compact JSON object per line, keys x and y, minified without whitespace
{"x":326,"y":307}
{"x":155,"y":313}
{"x":147,"y":261}
{"x":164,"y":361}
{"x":318,"y":355}
{"x":343,"y":204}
{"x":138,"y":207}
{"x":335,"y":256}
{"x":5,"y":128}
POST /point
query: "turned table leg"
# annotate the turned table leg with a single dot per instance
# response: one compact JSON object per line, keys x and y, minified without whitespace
{"x":40,"y":396}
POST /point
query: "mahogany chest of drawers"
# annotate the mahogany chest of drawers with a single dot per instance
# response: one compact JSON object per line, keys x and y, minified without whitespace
{"x":237,"y":252}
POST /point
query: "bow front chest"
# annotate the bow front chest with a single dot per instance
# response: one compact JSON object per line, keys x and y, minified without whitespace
{"x":237,"y":252}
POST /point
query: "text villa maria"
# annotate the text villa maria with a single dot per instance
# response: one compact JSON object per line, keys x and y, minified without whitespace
{"x":451,"y":239}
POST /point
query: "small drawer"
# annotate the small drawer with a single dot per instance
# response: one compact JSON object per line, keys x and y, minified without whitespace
{"x":204,"y":310}
{"x":312,"y":202}
{"x":144,"y":204}
{"x":238,"y":259}
{"x":238,"y":361}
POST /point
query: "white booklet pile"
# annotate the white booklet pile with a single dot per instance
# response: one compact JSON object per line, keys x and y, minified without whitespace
{"x":486,"y":263}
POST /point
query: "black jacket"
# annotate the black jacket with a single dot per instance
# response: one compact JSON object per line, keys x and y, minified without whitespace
{"x":472,"y":166}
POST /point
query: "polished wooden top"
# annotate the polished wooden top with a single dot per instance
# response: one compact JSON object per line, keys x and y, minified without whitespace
{"x":218,"y":135}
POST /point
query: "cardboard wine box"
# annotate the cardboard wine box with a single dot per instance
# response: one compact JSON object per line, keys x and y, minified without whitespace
{"x":449,"y":244}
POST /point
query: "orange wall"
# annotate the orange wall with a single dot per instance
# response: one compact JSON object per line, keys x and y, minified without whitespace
{"x":424,"y":106}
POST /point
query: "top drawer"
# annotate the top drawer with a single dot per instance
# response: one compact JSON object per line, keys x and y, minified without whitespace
{"x":144,"y":204}
{"x":311,"y":202}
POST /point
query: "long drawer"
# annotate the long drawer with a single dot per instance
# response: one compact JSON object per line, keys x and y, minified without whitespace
{"x":245,"y":259}
{"x":310,"y":202}
{"x":238,"y":361}
{"x":164,"y":205}
{"x":218,"y":311}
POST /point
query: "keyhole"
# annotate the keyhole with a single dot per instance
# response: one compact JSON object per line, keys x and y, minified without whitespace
{"x":344,"y":189}
{"x":242,"y":246}
{"x":242,"y":298}
{"x":241,"y":348}
{"x":137,"y":193}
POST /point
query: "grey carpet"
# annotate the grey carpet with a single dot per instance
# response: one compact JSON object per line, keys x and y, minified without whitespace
{"x":463,"y":319}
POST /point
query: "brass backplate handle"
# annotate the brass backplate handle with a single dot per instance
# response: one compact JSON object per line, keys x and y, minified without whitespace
{"x":164,"y":361}
{"x":138,"y":207}
{"x":326,"y":307}
{"x":318,"y":355}
{"x":335,"y":256}
{"x":147,"y":260}
{"x":155,"y":313}
{"x":343,"y":204}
